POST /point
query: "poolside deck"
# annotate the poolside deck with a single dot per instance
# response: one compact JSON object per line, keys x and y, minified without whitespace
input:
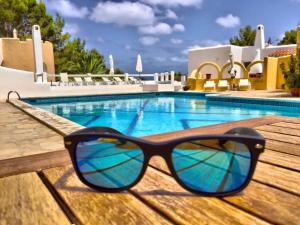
{"x":54,"y":195}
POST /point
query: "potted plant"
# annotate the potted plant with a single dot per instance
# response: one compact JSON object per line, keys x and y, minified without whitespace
{"x":292,"y":76}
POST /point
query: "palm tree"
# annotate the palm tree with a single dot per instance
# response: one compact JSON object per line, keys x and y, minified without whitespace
{"x":90,"y":62}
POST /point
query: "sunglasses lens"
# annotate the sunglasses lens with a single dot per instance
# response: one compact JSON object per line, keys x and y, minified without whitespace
{"x":109,"y":162}
{"x":212,"y":166}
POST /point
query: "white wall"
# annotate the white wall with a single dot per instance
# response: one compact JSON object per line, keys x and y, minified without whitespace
{"x":219,"y":55}
{"x":1,"y":52}
{"x":20,"y":81}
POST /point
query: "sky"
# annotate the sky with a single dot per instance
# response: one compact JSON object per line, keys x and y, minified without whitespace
{"x":162,"y":31}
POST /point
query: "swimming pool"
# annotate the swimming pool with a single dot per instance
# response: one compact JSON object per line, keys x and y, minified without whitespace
{"x":153,"y":113}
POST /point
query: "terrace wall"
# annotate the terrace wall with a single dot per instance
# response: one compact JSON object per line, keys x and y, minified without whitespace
{"x":19,"y":55}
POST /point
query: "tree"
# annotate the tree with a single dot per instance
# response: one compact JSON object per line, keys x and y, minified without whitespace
{"x":290,"y":37}
{"x":74,"y":58}
{"x":246,"y":37}
{"x":70,"y":56}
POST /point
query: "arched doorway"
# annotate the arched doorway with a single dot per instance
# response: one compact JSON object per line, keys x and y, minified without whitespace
{"x":216,"y":66}
{"x":245,"y":72}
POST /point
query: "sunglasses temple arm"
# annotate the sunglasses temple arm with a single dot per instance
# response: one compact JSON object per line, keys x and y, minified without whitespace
{"x":244,"y":131}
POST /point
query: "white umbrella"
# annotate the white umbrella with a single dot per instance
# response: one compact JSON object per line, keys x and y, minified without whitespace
{"x":139,"y":66}
{"x":111,"y":65}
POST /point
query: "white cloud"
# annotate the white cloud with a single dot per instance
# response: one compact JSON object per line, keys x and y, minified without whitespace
{"x":171,"y":14}
{"x":123,"y":13}
{"x":128,"y":47}
{"x":67,"y":8}
{"x":186,"y":51}
{"x":228,"y":21}
{"x":159,"y":29}
{"x":178,"y":28}
{"x":176,"y":41}
{"x":71,"y":28}
{"x":204,"y":44}
{"x":175,"y":3}
{"x":160,"y":59}
{"x":100,"y":40}
{"x":148,"y":40}
{"x":179,"y":59}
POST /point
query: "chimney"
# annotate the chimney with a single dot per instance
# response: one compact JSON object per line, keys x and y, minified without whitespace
{"x":260,"y":37}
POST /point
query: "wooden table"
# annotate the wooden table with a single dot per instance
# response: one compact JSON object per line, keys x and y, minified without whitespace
{"x":56,"y":196}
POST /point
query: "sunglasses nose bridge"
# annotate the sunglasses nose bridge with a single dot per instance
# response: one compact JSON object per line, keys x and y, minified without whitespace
{"x":158,"y":150}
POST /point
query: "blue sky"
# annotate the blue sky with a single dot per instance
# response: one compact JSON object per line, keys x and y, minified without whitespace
{"x":162,"y":30}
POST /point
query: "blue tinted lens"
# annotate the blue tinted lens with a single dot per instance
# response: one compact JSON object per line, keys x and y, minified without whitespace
{"x":212,"y":166}
{"x":109,"y":162}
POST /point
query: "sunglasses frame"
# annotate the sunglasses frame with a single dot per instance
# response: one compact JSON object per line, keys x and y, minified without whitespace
{"x":247,"y":136}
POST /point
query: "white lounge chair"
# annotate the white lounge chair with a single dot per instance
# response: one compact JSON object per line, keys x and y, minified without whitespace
{"x":89,"y":80}
{"x":134,"y":80}
{"x":223,"y":84}
{"x":64,"y":79}
{"x":209,"y":84}
{"x":118,"y":80}
{"x":244,"y":83}
{"x":78,"y":81}
{"x":107,"y":81}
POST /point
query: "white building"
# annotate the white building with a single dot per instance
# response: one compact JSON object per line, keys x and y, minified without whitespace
{"x":220,"y":55}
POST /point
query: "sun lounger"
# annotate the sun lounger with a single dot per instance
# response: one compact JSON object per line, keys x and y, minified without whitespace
{"x":244,"y":83}
{"x":209,"y":84}
{"x":64,"y":79}
{"x":78,"y":81}
{"x":89,"y":81}
{"x":223,"y":84}
{"x":134,"y":80}
{"x":107,"y":81}
{"x":118,"y":80}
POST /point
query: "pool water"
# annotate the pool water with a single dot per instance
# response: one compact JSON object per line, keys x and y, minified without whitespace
{"x":148,"y":114}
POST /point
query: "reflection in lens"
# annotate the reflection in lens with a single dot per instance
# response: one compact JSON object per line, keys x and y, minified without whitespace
{"x":211,"y":165}
{"x":109,"y":162}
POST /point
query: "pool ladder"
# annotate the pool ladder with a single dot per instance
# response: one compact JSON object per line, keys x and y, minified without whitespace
{"x":11,"y":92}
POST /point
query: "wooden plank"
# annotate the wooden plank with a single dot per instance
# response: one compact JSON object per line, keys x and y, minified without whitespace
{"x":214,"y":129}
{"x":278,"y":177}
{"x":25,"y":200}
{"x":33,"y":163}
{"x":287,"y":119}
{"x":281,"y":159}
{"x":92,"y":207}
{"x":280,"y":137}
{"x":283,"y":147}
{"x":273,"y":205}
{"x":289,"y":125}
{"x":163,"y":192}
{"x":185,"y":209}
{"x":280,"y":130}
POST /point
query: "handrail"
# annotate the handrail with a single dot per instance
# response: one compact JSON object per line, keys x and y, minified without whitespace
{"x":10,"y":92}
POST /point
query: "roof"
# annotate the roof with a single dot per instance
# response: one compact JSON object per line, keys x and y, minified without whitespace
{"x":283,"y":52}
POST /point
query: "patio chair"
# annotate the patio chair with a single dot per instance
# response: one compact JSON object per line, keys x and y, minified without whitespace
{"x":244,"y":83}
{"x":107,"y":81}
{"x":209,"y":84}
{"x":223,"y":84}
{"x":64,"y":79}
{"x":78,"y":81}
{"x":88,"y":80}
{"x":118,"y":80}
{"x":133,"y":80}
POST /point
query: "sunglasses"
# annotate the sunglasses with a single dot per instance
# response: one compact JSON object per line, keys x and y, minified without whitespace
{"x":210,"y":165}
